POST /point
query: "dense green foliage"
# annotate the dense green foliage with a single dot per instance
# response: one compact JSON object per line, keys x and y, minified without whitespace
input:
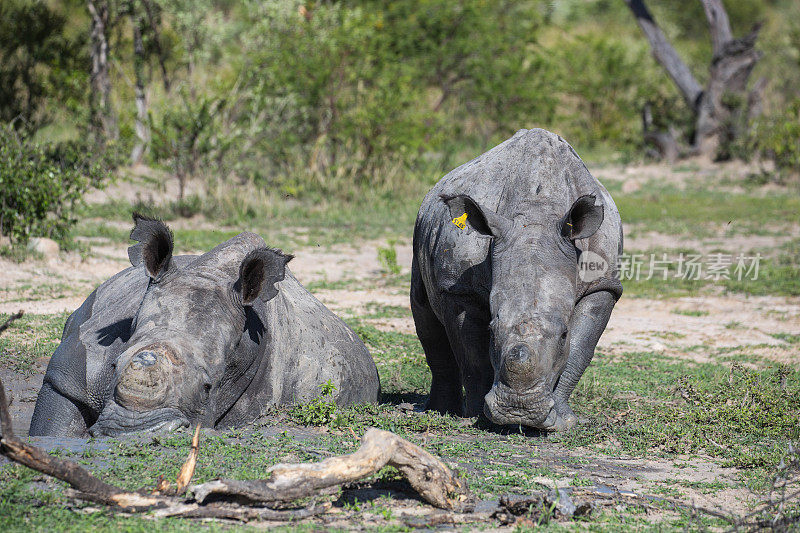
{"x":41,"y":62}
{"x":777,"y":138}
{"x":336,"y":99}
{"x":43,"y":184}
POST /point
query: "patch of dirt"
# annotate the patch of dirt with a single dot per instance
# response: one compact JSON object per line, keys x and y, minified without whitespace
{"x":723,"y":175}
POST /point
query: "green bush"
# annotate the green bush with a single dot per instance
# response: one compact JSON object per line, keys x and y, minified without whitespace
{"x":43,"y":184}
{"x":387,"y":256}
{"x":778,"y":138}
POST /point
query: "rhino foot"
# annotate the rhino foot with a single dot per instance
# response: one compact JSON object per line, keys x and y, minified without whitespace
{"x":565,"y":418}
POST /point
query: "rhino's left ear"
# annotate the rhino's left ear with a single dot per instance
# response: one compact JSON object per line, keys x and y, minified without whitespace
{"x":260,"y":270}
{"x":583,"y":219}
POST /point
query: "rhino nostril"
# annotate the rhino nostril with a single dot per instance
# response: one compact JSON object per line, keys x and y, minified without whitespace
{"x":519,"y":354}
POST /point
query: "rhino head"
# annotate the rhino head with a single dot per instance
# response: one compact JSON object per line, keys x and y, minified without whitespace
{"x":181,"y":358}
{"x":534,"y":267}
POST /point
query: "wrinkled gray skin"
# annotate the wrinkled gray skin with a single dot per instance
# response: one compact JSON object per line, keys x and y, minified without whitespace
{"x":500,"y":307}
{"x":211,"y":339}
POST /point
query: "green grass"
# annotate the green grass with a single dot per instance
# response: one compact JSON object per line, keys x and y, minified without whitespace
{"x":689,"y":212}
{"x":744,"y":418}
{"x":638,"y":403}
{"x":689,"y":312}
{"x":28,"y":339}
{"x":312,"y":223}
{"x":775,"y":277}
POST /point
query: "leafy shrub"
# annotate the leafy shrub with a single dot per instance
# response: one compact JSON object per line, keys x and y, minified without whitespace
{"x":778,"y":138}
{"x":43,"y":184}
{"x":606,"y":81}
{"x":353,"y":95}
{"x":320,"y":411}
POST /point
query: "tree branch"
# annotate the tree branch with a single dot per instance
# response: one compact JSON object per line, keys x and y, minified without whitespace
{"x":718,"y":24}
{"x":431,"y":478}
{"x":12,"y":318}
{"x":666,"y":55}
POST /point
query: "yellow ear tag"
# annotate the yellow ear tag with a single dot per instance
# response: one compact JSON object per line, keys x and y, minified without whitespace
{"x":460,"y":221}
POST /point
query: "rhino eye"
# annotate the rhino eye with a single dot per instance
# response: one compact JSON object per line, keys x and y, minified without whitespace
{"x":564,"y":336}
{"x":207,"y":387}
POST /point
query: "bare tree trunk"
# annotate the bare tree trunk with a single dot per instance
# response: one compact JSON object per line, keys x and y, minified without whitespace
{"x":142,"y":127}
{"x":718,"y":23}
{"x":162,"y":56}
{"x":720,"y":105}
{"x":665,"y":54}
{"x":104,"y":122}
{"x":726,"y":98}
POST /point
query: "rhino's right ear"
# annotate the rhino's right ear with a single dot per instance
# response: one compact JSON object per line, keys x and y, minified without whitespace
{"x":484,"y":221}
{"x":260,"y":270}
{"x":155,"y":245}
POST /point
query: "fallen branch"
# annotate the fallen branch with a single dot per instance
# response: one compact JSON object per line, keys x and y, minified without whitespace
{"x":232,"y":499}
{"x":12,"y":318}
{"x":431,"y":478}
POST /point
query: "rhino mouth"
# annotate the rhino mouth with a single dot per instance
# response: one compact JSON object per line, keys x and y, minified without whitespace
{"x":532,"y":408}
{"x":116,"y":420}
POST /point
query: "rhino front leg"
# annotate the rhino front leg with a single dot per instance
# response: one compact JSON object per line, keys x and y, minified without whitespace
{"x":468,"y":330}
{"x":445,"y":395}
{"x":589,"y":320}
{"x":56,"y":416}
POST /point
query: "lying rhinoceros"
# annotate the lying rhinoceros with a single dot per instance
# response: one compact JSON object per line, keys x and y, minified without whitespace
{"x":513,"y":280}
{"x":211,"y":339}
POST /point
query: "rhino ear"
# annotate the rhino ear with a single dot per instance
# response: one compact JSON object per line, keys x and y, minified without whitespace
{"x":484,"y":221}
{"x":260,"y":270}
{"x":583,"y":219}
{"x":155,"y":245}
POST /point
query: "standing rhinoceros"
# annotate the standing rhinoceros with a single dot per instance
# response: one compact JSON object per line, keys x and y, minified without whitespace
{"x":513,"y":280}
{"x":211,"y":339}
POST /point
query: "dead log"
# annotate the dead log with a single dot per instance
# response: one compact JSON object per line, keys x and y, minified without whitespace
{"x":430,"y":477}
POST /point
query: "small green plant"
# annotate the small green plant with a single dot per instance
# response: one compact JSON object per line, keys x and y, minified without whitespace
{"x":388,"y":257}
{"x":320,"y":411}
{"x":689,"y":312}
